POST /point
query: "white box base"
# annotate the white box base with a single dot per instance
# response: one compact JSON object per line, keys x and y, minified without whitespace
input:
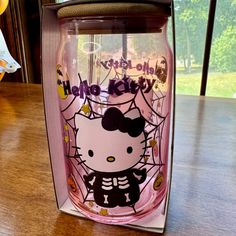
{"x":155,"y":222}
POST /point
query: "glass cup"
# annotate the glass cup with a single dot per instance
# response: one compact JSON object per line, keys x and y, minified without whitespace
{"x":114,"y":80}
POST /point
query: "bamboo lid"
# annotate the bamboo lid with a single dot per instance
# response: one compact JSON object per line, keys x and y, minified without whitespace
{"x":118,"y":9}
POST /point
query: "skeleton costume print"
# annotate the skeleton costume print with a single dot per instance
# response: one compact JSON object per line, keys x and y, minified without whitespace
{"x":113,"y":149}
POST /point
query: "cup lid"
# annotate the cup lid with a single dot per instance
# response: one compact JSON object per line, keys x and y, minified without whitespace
{"x":119,"y":8}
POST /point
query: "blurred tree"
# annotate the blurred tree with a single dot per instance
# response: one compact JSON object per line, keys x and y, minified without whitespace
{"x":144,"y":45}
{"x":191,"y":21}
{"x":223,"y":50}
{"x":224,"y":39}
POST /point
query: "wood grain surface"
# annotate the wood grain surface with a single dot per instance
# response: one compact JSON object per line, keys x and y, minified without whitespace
{"x":203,"y":194}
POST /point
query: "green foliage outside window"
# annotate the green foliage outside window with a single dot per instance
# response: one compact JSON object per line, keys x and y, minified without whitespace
{"x":224,"y":49}
{"x":191,"y":22}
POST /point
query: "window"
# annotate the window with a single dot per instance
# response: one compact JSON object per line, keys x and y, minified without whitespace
{"x":190,"y":25}
{"x":191,"y":18}
{"x":222,"y":71}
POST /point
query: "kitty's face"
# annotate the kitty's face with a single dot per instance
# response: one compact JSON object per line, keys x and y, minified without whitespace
{"x":107,"y":151}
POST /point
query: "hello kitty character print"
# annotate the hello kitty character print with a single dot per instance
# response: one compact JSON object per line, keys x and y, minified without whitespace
{"x":111,"y":148}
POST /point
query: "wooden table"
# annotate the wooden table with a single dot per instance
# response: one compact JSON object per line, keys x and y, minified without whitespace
{"x":203,"y":194}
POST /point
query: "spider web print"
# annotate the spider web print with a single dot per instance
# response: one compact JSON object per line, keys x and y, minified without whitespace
{"x":94,"y":107}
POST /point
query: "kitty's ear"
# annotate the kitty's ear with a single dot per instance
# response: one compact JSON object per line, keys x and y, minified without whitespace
{"x":133,"y":113}
{"x":85,"y":125}
{"x":77,"y":116}
{"x":80,"y":121}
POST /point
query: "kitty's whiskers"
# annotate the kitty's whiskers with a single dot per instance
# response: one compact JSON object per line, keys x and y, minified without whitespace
{"x":145,"y":140}
{"x":75,"y":156}
{"x":81,"y":162}
{"x":145,"y":155}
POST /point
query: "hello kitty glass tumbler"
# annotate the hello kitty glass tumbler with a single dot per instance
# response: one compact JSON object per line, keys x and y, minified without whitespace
{"x":114,"y":80}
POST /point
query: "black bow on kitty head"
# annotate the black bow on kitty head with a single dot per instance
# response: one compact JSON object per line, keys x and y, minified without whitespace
{"x":114,"y":119}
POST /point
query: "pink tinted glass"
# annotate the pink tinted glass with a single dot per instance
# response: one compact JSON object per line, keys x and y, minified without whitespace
{"x":115,"y":97}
